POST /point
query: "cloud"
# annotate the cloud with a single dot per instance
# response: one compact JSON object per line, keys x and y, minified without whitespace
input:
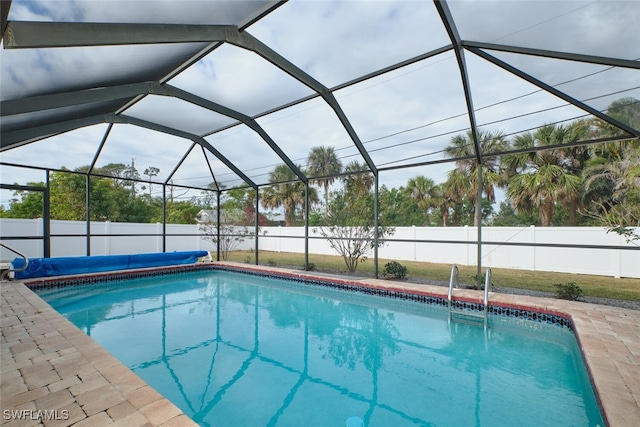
{"x":339,"y":41}
{"x":408,"y":115}
{"x":240,"y":80}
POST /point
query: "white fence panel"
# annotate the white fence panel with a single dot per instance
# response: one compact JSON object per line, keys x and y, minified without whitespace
{"x":595,"y":261}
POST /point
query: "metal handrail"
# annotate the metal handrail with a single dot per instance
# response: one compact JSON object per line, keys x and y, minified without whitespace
{"x":487,"y":285}
{"x":6,"y":273}
{"x":453,"y":280}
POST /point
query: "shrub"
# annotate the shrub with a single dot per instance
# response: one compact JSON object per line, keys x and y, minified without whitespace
{"x":568,"y":291}
{"x":394,"y":269}
{"x":271,"y":262}
{"x":310,"y":266}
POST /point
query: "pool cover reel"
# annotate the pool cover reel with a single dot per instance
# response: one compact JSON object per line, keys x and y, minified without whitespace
{"x":46,"y":267}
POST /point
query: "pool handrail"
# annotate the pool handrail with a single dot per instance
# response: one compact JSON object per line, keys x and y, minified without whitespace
{"x":5,"y":273}
{"x":487,"y":285}
{"x":453,"y":281}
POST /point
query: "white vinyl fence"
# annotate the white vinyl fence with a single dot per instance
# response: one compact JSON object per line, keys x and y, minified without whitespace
{"x":598,"y":252}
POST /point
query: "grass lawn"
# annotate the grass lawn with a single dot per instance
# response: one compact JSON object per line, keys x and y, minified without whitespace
{"x":595,"y":286}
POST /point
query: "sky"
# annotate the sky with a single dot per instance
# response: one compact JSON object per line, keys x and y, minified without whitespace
{"x":402,"y":117}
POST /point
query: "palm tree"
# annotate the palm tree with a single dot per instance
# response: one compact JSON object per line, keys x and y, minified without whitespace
{"x":613,"y":185}
{"x":420,"y":188}
{"x":624,"y":110}
{"x":285,"y":192}
{"x":541,"y":179}
{"x":574,"y":160}
{"x":463,"y":180}
{"x":323,"y":162}
{"x":442,"y":202}
{"x":359,"y":181}
{"x":428,"y":196}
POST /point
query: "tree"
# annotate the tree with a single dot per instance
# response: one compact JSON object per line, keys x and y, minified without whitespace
{"x":68,"y":196}
{"x":351,"y":232}
{"x":323,"y":162}
{"x":26,"y":204}
{"x":624,"y":110}
{"x":431,"y":198}
{"x":398,"y":209}
{"x":350,"y":228}
{"x":359,"y":181}
{"x":183,"y":212}
{"x":442,"y":202}
{"x":286,"y":192}
{"x":508,"y":217}
{"x":124,"y":174}
{"x":463,"y":180}
{"x":616,"y":185}
{"x":232,"y":231}
{"x":243,"y":199}
{"x":421,"y":189}
{"x":151,"y":172}
{"x":540,"y":179}
{"x":110,"y":200}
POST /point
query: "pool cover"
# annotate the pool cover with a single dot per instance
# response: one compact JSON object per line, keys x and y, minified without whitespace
{"x":46,"y":267}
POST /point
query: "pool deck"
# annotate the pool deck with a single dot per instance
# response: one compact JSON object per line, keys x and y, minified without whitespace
{"x":50,"y":365}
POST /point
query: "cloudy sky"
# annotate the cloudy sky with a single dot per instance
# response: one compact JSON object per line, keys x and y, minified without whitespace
{"x":403,"y":117}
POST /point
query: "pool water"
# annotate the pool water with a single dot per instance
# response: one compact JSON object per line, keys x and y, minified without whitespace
{"x":232,"y":349}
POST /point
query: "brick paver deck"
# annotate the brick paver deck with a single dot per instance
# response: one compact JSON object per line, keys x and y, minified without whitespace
{"x":50,"y":365}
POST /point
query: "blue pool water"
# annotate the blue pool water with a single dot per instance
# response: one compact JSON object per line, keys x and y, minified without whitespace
{"x":232,"y":349}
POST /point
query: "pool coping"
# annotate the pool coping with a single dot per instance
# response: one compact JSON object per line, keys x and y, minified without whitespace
{"x":48,"y":364}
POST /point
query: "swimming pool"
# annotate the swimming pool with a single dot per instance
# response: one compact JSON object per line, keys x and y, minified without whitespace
{"x":233,"y":349}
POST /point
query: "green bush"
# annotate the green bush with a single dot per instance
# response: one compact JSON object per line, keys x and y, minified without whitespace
{"x":569,"y":291}
{"x":271,"y":262}
{"x":394,"y":269}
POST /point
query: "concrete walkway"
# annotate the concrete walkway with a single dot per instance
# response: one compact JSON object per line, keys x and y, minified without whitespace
{"x":51,"y":369}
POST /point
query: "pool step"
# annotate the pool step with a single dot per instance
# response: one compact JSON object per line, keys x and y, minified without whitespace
{"x":476,"y":318}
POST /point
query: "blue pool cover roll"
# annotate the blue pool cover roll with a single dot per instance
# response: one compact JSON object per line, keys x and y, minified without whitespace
{"x":46,"y":267}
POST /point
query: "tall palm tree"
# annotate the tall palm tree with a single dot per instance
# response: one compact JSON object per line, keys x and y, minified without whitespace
{"x":541,"y":179}
{"x":613,"y":186}
{"x":420,"y":188}
{"x":359,"y":181}
{"x":624,"y":110}
{"x":463,"y":180}
{"x":574,"y":160}
{"x":324,"y":162}
{"x":285,"y":192}
{"x":442,"y":202}
{"x":429,"y":196}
